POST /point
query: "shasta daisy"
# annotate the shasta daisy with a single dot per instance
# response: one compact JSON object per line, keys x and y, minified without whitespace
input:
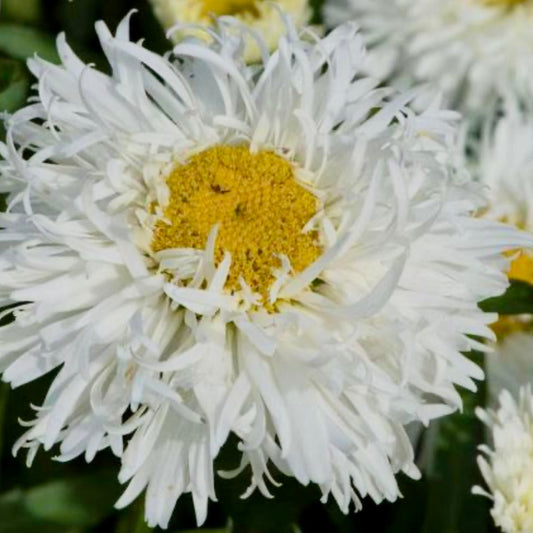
{"x":198,"y":248}
{"x":259,"y":17}
{"x":507,"y":466}
{"x":475,"y":51}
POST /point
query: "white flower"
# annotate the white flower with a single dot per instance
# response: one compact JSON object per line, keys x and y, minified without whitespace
{"x":476,"y":51}
{"x":315,"y":356}
{"x":504,"y":162}
{"x":261,"y":17}
{"x":504,"y":158}
{"x":508,"y":467}
{"x":510,"y":366}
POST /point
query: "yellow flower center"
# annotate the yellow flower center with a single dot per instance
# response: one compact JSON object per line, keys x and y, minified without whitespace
{"x":230,"y":7}
{"x":521,"y":270}
{"x":260,"y":209}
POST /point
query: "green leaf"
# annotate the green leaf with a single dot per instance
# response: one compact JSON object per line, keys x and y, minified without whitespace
{"x":76,"y":502}
{"x":14,"y":85}
{"x":317,"y":6}
{"x":518,"y":299}
{"x":15,"y":519}
{"x":21,"y":10}
{"x":81,"y":501}
{"x":132,"y":519}
{"x":450,"y":469}
{"x":21,"y":42}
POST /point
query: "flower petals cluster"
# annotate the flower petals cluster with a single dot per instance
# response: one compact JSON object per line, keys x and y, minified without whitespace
{"x":507,"y":467}
{"x":504,"y":156}
{"x":475,"y":51}
{"x":258,"y":16}
{"x":161,"y":370}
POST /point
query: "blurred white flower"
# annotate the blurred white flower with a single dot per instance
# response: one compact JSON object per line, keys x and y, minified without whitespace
{"x":510,"y":366}
{"x":260,"y":17}
{"x":199,"y":248}
{"x":475,"y":51}
{"x":507,"y":467}
{"x":503,"y":159}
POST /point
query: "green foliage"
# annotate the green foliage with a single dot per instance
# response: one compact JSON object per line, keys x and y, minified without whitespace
{"x":14,"y":85}
{"x":26,"y":11}
{"x":451,"y":473}
{"x":21,"y":42}
{"x":73,"y":502}
{"x":442,"y":502}
{"x":317,"y":6}
{"x":518,"y":299}
{"x":132,"y":520}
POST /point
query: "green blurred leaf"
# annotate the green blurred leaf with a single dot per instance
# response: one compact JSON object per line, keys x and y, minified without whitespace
{"x":15,"y":518}
{"x":76,"y":502}
{"x":441,"y":502}
{"x":14,"y":85}
{"x":449,"y":465}
{"x":317,"y":7}
{"x":21,"y":42}
{"x":21,"y":10}
{"x":132,"y":519}
{"x":517,"y":299}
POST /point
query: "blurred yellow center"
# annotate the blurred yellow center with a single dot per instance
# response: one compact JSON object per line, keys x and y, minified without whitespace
{"x":522,"y":268}
{"x":260,"y":209}
{"x":229,"y":7}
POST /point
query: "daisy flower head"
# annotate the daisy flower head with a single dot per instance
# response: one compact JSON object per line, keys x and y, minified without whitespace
{"x":260,"y":17}
{"x":504,"y":163}
{"x":510,"y":365}
{"x":504,"y":156}
{"x":507,"y":467}
{"x":475,"y":51}
{"x":285,"y":253}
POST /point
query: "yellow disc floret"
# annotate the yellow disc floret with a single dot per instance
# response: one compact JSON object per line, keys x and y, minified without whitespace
{"x":230,"y":7}
{"x":259,"y":207}
{"x":521,"y":270}
{"x":522,"y":267}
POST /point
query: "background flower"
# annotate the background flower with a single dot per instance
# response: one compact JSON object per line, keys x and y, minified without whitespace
{"x":507,"y":464}
{"x":503,"y":159}
{"x":475,"y":51}
{"x":262,"y":18}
